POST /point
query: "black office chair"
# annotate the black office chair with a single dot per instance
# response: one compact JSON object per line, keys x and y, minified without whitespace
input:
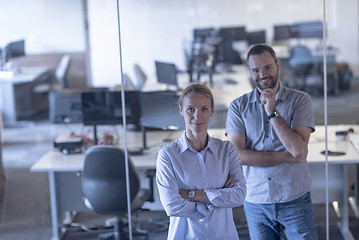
{"x":58,"y":80}
{"x":104,"y":186}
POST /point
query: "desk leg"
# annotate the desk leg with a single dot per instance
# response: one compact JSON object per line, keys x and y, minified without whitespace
{"x":53,"y":202}
{"x":343,"y":224}
{"x":354,"y":201}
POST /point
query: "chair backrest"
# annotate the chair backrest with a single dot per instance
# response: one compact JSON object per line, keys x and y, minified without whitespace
{"x":301,"y":60}
{"x":129,"y":85}
{"x":140,"y":76}
{"x":104,"y":180}
{"x":62,"y":71}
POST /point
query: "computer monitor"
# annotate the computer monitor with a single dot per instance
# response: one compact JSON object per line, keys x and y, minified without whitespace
{"x":282,"y":32}
{"x":226,"y":53}
{"x":310,"y":29}
{"x":105,"y":107}
{"x":65,"y":107}
{"x":12,"y":50}
{"x":160,"y":110}
{"x":256,"y":37}
{"x":166,"y":73}
{"x":237,"y":33}
{"x":201,"y":34}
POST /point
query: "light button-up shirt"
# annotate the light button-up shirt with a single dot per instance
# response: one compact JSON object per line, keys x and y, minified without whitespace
{"x":180,"y":167}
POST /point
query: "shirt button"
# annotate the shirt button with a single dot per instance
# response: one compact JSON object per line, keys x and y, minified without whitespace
{"x":269,"y":178}
{"x":267,"y":136}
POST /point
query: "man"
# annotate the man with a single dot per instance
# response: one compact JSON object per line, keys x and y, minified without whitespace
{"x":271,"y":126}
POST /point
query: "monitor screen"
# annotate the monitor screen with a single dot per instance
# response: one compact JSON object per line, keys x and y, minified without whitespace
{"x":13,"y":49}
{"x":160,"y":110}
{"x":105,"y":107}
{"x":65,"y":107}
{"x":201,"y":34}
{"x":233,"y":33}
{"x":256,"y":37}
{"x":226,"y":53}
{"x":166,"y":73}
{"x":282,"y":32}
{"x":311,"y":29}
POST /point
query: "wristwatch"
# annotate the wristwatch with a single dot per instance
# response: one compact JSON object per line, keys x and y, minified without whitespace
{"x":191,"y":195}
{"x":274,"y":114}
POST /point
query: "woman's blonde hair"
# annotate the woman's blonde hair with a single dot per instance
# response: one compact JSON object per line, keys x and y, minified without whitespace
{"x":196,"y":88}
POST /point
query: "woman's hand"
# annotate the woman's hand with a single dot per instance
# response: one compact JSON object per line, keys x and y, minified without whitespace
{"x":231,"y":182}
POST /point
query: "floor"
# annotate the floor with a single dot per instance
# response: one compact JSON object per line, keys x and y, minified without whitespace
{"x":25,"y":210}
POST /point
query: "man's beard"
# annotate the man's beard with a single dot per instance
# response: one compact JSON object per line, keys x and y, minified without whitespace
{"x":273,"y":80}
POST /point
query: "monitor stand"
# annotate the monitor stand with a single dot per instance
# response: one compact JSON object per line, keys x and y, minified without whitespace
{"x":95,"y":140}
{"x":144,"y":138}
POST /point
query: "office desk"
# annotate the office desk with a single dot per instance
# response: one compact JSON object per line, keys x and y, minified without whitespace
{"x":63,"y":173}
{"x":337,"y":172}
{"x":16,"y":93}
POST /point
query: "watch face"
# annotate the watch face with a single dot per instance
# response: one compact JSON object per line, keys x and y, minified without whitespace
{"x":191,"y":194}
{"x":274,"y":114}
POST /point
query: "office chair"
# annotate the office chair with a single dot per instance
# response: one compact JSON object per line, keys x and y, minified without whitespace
{"x":309,"y":70}
{"x":140,"y":76}
{"x":58,"y":80}
{"x":104,"y":186}
{"x":129,"y":85}
{"x":300,"y":60}
{"x":300,"y":63}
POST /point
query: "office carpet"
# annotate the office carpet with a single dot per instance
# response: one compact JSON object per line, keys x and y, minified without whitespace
{"x":25,"y":210}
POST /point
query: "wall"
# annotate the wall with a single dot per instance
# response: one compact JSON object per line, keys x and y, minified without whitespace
{"x":157,"y":29}
{"x":47,"y":25}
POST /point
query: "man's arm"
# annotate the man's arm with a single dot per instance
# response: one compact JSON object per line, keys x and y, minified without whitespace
{"x":257,"y":158}
{"x":294,"y":140}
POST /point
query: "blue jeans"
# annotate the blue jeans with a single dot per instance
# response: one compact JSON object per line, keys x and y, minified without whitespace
{"x":296,"y":218}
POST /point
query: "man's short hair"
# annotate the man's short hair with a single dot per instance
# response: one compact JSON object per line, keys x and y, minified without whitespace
{"x":260,"y":48}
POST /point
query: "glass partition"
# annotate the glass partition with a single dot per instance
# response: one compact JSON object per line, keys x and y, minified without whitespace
{"x":207,"y":42}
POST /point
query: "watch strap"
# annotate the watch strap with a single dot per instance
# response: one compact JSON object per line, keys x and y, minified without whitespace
{"x":274,"y":114}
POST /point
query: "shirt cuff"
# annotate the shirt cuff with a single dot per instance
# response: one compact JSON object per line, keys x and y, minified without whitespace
{"x":212,"y":193}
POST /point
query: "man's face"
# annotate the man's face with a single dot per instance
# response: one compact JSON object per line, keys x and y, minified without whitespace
{"x":264,"y":70}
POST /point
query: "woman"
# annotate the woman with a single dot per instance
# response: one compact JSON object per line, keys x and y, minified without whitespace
{"x":199,"y":178}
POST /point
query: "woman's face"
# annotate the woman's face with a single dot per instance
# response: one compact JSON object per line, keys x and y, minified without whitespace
{"x":196,"y":110}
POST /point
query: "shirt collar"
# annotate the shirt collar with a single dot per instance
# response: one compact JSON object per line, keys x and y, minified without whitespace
{"x":184,"y":144}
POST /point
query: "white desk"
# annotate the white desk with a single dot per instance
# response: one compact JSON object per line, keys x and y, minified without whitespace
{"x":65,"y":184}
{"x":62,"y":171}
{"x":337,"y":172}
{"x":16,"y":92}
